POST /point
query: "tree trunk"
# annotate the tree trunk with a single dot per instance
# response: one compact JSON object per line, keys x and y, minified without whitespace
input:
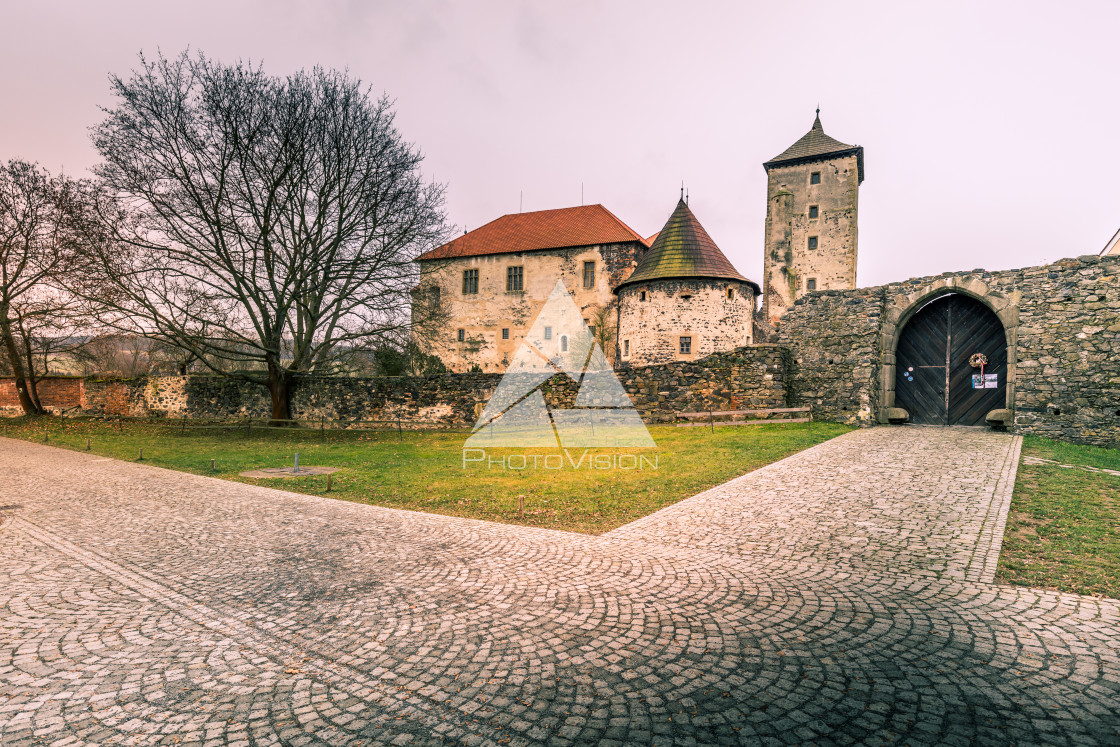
{"x":278,"y":384}
{"x":16,"y":360}
{"x":32,"y":379}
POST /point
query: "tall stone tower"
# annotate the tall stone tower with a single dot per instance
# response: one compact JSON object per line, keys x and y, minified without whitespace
{"x":811,"y":219}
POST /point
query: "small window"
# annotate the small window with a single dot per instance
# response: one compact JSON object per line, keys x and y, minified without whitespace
{"x":462,"y":335}
{"x":515,"y":279}
{"x":470,"y":281}
{"x":814,"y":211}
{"x":433,"y":292}
{"x":812,"y":242}
{"x":591,"y":329}
{"x":548,"y":333}
{"x":686,"y":346}
{"x":686,"y":297}
{"x":643,"y":296}
{"x":563,"y":343}
{"x":505,"y":333}
{"x":588,"y":274}
{"x":731,"y":293}
{"x":811,"y":284}
{"x":815,"y":177}
{"x":625,"y":348}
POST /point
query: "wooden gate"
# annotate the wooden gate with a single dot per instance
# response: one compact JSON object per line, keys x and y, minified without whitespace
{"x":934,"y":381}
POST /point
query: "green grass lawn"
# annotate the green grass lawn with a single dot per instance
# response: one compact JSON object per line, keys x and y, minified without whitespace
{"x":1063,"y":530}
{"x":425,"y":471}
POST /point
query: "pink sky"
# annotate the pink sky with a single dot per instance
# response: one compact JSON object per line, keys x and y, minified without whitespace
{"x":990,"y":128}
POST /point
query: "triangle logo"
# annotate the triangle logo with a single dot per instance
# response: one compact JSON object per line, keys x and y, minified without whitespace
{"x":559,"y":342}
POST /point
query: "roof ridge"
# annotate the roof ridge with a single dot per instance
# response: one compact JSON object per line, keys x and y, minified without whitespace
{"x":539,"y":230}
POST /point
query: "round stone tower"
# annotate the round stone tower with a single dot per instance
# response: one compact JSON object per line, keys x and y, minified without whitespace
{"x":684,"y":300}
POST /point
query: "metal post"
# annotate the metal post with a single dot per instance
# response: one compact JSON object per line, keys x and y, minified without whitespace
{"x":211,"y":465}
{"x":711,"y":420}
{"x":297,"y":463}
{"x":400,"y":434}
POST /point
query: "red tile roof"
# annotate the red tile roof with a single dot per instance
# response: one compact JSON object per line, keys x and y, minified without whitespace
{"x":586,"y":225}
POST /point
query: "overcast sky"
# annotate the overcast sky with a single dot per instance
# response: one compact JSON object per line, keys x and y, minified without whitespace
{"x":990,"y":129}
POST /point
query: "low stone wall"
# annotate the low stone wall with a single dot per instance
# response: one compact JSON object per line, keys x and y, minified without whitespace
{"x":1063,"y":327}
{"x":750,"y":377}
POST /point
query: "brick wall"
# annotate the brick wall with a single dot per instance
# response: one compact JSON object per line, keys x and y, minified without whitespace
{"x":56,"y":393}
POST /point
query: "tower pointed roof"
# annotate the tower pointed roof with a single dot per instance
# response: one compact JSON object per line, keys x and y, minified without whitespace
{"x":683,"y":249}
{"x":815,"y":145}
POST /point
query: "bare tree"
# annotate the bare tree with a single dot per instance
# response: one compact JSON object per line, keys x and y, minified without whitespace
{"x":262,"y":224}
{"x":38,"y":265}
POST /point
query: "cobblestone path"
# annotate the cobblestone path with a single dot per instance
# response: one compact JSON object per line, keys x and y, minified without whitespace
{"x":841,"y":596}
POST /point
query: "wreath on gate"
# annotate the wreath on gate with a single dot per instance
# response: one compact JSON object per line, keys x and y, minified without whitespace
{"x":979,"y":360}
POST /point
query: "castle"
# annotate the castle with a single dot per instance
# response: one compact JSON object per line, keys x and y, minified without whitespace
{"x":673,"y":296}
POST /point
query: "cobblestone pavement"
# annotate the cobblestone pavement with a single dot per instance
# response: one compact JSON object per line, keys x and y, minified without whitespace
{"x":841,"y":596}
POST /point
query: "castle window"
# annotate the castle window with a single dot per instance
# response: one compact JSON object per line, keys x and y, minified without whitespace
{"x":811,"y":284}
{"x":563,"y":343}
{"x":686,"y":297}
{"x":686,"y":346}
{"x":812,"y":242}
{"x":591,"y":329}
{"x":815,"y":177}
{"x":470,"y":281}
{"x":434,"y":293}
{"x":730,"y":293}
{"x":643,"y":297}
{"x":462,"y":335}
{"x":515,"y":279}
{"x":625,"y":348}
{"x":588,"y":274}
{"x":814,"y":211}
{"x":548,"y":333}
{"x":505,"y":333}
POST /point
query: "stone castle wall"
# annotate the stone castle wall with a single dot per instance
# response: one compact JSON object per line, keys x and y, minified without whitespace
{"x":750,"y":377}
{"x":653,"y":316}
{"x":1063,"y":326}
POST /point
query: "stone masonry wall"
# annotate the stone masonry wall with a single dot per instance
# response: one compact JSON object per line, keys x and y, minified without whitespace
{"x":1063,"y":321}
{"x":654,"y":316}
{"x":750,"y":377}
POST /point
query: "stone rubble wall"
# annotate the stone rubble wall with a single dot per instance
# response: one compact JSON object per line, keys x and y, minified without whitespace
{"x":654,"y":315}
{"x":1063,"y":320}
{"x":750,"y":377}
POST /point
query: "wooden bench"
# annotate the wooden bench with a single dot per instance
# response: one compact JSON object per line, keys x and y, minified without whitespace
{"x":709,"y":418}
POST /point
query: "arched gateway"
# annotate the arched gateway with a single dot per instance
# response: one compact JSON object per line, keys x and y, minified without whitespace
{"x":934,"y":378}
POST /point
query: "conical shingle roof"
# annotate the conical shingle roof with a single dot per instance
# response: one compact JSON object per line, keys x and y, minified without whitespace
{"x":683,"y":249}
{"x":815,"y":145}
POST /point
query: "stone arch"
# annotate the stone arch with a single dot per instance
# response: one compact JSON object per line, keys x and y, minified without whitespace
{"x":903,"y":306}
